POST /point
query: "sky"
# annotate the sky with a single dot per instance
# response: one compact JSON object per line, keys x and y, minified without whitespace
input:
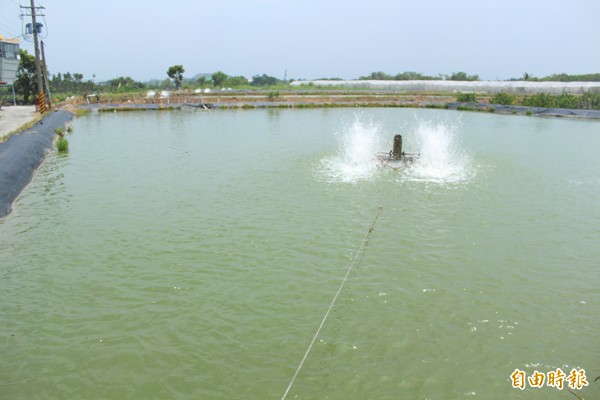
{"x":310,"y":39}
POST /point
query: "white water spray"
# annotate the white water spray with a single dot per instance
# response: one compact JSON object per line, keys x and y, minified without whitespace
{"x":441,"y":158}
{"x":355,"y":158}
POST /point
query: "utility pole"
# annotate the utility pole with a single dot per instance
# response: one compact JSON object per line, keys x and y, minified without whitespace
{"x":38,"y":68}
{"x":46,"y":81}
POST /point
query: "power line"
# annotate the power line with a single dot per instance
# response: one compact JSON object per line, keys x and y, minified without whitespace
{"x":4,"y":17}
{"x":9,"y":24}
{"x":34,"y":11}
{"x":8,"y":30}
{"x":34,"y":8}
{"x":46,"y":25}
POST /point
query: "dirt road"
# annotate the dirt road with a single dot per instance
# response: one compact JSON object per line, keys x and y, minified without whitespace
{"x":12,"y":117}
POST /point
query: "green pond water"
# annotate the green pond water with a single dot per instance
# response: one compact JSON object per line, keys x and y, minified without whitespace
{"x":193,"y":255}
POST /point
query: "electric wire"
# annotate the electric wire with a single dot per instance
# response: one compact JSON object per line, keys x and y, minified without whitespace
{"x":45,"y":26}
{"x":11,"y":32}
{"x":9,"y":22}
{"x":9,"y":25}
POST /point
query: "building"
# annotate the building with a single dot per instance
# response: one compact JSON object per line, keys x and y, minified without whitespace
{"x":9,"y":60}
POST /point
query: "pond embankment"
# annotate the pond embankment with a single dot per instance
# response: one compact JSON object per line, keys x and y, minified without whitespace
{"x":241,"y":100}
{"x":22,"y":153}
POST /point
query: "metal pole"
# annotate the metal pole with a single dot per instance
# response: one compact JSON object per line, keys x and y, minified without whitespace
{"x":38,"y":68}
{"x":46,"y":76}
{"x":14,"y":97}
{"x":397,"y":149}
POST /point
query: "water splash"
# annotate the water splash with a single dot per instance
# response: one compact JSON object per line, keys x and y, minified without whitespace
{"x":355,"y":158}
{"x":442,"y":159}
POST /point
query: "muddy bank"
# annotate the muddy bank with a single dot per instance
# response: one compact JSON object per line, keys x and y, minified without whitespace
{"x":240,"y":101}
{"x":22,"y":153}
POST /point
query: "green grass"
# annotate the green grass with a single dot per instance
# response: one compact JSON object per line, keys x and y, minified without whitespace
{"x":80,"y":112}
{"x":273,"y":95}
{"x":586,"y":101}
{"x":506,"y":99}
{"x":466,"y":97}
{"x":441,"y":106}
{"x":62,"y":145}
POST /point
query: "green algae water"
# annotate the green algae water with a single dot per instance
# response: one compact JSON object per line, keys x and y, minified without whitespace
{"x":192,"y":255}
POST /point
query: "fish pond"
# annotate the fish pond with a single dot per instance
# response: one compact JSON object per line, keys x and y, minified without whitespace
{"x":194,"y":255}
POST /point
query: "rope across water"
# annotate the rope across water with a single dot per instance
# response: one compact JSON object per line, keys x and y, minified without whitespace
{"x":314,"y":339}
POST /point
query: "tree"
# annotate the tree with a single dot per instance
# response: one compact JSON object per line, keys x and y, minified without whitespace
{"x":412,"y":76}
{"x":264,"y":80}
{"x":201,"y":81}
{"x":218,"y":78}
{"x":124,"y":83}
{"x":175,"y":72}
{"x":235,"y":81}
{"x":70,"y":83}
{"x":377,"y":76}
{"x":26,"y":82}
{"x":68,"y":78}
{"x":462,"y":76}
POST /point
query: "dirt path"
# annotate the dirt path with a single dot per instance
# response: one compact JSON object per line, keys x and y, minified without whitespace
{"x":12,"y":117}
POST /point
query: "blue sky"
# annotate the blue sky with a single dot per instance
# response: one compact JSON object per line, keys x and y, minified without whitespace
{"x":313,"y":39}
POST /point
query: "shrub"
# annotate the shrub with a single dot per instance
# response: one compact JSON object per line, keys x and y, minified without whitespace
{"x":568,"y":100}
{"x":541,"y":100}
{"x":590,"y":101}
{"x":466,"y":97}
{"x":503,"y":98}
{"x":62,"y":145}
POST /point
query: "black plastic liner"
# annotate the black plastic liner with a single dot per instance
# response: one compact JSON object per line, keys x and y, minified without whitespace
{"x":22,"y":153}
